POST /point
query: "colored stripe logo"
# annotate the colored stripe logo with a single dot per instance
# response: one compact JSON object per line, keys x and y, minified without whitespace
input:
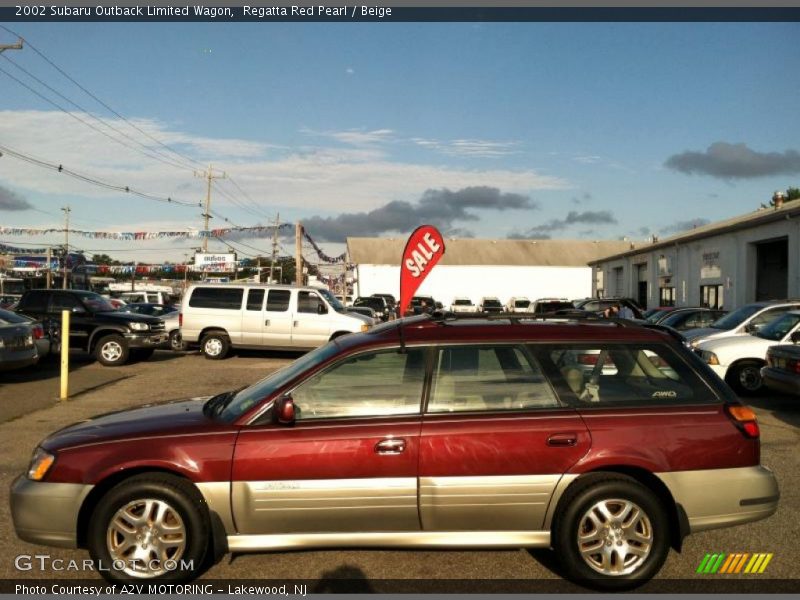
{"x":734,"y":563}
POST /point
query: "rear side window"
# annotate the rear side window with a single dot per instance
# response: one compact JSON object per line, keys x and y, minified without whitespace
{"x":255,"y":299}
{"x":278,"y":300}
{"x":64,"y":302}
{"x":488,"y":378}
{"x":220,"y":298}
{"x":602,"y":375}
{"x":35,"y":301}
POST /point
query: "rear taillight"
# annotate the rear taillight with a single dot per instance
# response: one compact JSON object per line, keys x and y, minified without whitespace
{"x":38,"y":332}
{"x":793,"y":365}
{"x":745,"y":420}
{"x":180,"y":319}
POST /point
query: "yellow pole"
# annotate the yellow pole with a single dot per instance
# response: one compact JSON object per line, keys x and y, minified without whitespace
{"x":64,"y":354}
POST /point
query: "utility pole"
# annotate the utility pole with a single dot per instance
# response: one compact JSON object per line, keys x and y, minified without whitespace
{"x":274,"y":247}
{"x":17,"y":46}
{"x":49,"y":267}
{"x":209,"y":176}
{"x":344,"y":279}
{"x":66,"y":210}
{"x":298,"y":253}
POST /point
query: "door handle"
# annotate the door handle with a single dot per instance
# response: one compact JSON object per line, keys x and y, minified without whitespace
{"x":296,"y":324}
{"x":562,"y":439}
{"x":266,"y":322}
{"x":390,"y":447}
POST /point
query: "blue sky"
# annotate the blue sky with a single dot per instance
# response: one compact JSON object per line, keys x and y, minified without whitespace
{"x":567,"y":130}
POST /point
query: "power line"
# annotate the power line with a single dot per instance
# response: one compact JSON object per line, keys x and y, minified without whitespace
{"x":147,"y":150}
{"x":87,"y":123}
{"x":99,"y":101}
{"x":92,"y":180}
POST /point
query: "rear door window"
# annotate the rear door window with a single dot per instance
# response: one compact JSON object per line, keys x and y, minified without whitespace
{"x":226,"y":298}
{"x":278,"y":300}
{"x":255,"y":299}
{"x":602,"y":375}
{"x":488,"y":378}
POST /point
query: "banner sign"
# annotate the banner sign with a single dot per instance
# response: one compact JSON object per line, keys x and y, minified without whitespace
{"x":423,"y":250}
{"x":215,"y":262}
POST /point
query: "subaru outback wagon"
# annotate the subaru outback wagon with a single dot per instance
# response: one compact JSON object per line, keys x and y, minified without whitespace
{"x":428,"y":432}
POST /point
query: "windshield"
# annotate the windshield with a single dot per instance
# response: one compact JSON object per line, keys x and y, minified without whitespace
{"x":491,"y":302}
{"x":780,"y":327}
{"x":522,"y":303}
{"x":737,"y":317}
{"x":332,"y":300}
{"x":96,"y":303}
{"x":250,"y":396}
{"x":464,"y":302}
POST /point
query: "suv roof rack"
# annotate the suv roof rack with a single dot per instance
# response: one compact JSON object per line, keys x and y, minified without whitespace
{"x":442,"y":317}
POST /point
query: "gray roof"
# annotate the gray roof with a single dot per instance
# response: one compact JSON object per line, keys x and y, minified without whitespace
{"x":762,"y":216}
{"x":550,"y":253}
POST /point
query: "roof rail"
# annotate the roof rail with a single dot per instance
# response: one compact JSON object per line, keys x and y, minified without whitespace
{"x":442,"y":317}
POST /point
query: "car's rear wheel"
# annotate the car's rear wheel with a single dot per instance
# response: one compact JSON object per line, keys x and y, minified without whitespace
{"x":215,"y":346}
{"x":112,"y":350}
{"x":745,"y":378}
{"x":612,"y":533}
{"x":176,"y":341}
{"x":151,"y":526}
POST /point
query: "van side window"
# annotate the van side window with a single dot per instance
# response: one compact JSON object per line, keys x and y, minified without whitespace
{"x":308,"y":302}
{"x":278,"y":300}
{"x":225,"y":298}
{"x":255,"y":299}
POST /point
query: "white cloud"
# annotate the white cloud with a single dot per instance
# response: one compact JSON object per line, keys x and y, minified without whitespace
{"x":469,"y":147}
{"x":355,"y":137}
{"x":313,"y":180}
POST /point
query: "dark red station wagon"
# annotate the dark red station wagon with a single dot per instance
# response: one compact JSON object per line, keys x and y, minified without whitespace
{"x":604,"y":440}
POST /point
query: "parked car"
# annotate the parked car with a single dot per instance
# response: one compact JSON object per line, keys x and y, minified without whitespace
{"x":684,"y":318}
{"x":782,"y":371}
{"x":462,"y":304}
{"x":346,"y":301}
{"x":168,"y":313}
{"x":747,"y":319}
{"x":420,"y":435}
{"x":95,"y":325}
{"x":544,"y":306}
{"x":376,"y":303}
{"x":655,"y":313}
{"x":518,"y":304}
{"x":45,"y":335}
{"x":222,"y":316}
{"x":420,"y":305}
{"x":738,"y":359}
{"x":391,"y":301}
{"x":365,"y":311}
{"x":17,"y":342}
{"x":599,"y":305}
{"x":490,"y":304}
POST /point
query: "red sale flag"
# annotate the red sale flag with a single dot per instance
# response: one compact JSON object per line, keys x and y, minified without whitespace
{"x":423,"y":250}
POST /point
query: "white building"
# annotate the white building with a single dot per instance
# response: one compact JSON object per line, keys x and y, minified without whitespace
{"x":477,"y":268}
{"x":726,"y":264}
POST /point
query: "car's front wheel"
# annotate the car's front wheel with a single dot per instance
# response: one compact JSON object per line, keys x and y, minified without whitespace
{"x":112,"y":351}
{"x":151,"y":526}
{"x":215,"y":346}
{"x":612,"y":533}
{"x":176,"y":341}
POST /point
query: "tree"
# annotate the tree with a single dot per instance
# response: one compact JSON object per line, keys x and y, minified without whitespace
{"x":103,"y":259}
{"x":792,"y":193}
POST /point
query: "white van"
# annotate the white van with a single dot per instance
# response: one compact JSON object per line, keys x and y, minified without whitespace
{"x":221,"y":316}
{"x":146,"y":297}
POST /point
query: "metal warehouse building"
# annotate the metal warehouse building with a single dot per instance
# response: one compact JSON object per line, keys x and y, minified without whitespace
{"x":477,"y":268}
{"x":722,"y":265}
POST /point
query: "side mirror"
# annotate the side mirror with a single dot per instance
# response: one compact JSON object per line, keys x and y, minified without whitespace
{"x":795,"y":337}
{"x":751,"y":328}
{"x":322,"y":309}
{"x":285,"y":411}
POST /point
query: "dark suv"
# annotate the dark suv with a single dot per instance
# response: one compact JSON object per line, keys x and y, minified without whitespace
{"x":598,"y":305}
{"x":95,"y":325}
{"x":376,"y":303}
{"x":604,"y":440}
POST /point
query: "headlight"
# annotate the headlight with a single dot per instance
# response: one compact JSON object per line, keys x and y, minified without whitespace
{"x":41,"y":461}
{"x":139,"y":326}
{"x":709,"y":357}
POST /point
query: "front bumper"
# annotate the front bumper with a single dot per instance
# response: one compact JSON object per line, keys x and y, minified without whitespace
{"x":781,"y":381}
{"x":47,"y":513}
{"x":146,"y":340}
{"x":724,"y":497}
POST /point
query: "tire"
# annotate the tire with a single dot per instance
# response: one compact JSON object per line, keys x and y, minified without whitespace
{"x":160,"y":518}
{"x":215,"y":346}
{"x":638,"y":526}
{"x":176,"y":341}
{"x":745,"y":378}
{"x":112,"y":350}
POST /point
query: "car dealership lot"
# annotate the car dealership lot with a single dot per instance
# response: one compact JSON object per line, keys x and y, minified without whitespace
{"x":170,"y":376}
